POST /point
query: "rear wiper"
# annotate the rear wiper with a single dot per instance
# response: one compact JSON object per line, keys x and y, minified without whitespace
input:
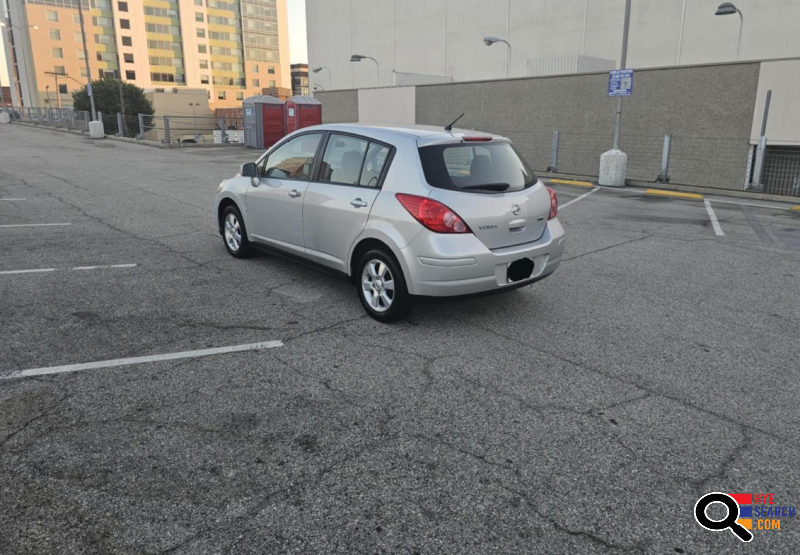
{"x":489,"y":186}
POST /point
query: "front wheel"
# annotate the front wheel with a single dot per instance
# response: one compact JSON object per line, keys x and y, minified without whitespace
{"x":382,"y":287}
{"x":234,"y":233}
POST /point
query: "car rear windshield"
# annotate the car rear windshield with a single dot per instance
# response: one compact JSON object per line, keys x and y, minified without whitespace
{"x":484,"y":168}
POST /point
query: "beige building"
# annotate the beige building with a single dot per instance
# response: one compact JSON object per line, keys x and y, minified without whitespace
{"x":230,"y":48}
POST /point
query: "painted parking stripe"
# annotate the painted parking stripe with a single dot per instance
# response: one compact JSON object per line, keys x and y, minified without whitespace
{"x":106,"y":266}
{"x":675,"y":194}
{"x":760,"y":231}
{"x":713,"y":217}
{"x":139,"y":360}
{"x":13,"y":199}
{"x":583,"y":196}
{"x":9,"y":272}
{"x":31,"y":225}
{"x":571,"y":182}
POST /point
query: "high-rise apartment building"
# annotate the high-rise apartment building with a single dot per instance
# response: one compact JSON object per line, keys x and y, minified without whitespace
{"x":300,"y":79}
{"x":231,"y":48}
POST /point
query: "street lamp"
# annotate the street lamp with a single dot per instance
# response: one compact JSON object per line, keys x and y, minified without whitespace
{"x":27,"y":73}
{"x":488,"y":41}
{"x":727,"y":8}
{"x":320,"y":68}
{"x":359,"y":57}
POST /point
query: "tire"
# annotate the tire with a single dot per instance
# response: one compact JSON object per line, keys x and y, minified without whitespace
{"x":234,"y":234}
{"x":384,"y":303}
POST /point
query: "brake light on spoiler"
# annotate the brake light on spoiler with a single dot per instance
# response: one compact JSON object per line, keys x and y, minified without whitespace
{"x":483,"y":139}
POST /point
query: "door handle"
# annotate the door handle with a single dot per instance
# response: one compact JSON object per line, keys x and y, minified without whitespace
{"x":358,"y":203}
{"x":294,"y":193}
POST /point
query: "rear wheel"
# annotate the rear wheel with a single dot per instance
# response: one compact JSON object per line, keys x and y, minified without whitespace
{"x":382,"y":287}
{"x":234,"y":233}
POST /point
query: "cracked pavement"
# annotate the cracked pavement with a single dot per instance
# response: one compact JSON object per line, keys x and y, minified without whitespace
{"x":584,"y":414}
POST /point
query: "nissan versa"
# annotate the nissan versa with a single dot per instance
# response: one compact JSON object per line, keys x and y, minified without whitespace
{"x":402,"y":211}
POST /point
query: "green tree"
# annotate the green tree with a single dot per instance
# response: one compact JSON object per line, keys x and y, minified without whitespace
{"x":106,"y":100}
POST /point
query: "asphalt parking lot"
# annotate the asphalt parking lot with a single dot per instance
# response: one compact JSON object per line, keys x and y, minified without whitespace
{"x":584,"y":414}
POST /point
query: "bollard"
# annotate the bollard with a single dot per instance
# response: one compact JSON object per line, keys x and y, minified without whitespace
{"x":71,"y":120}
{"x":120,"y":131}
{"x":554,"y":155}
{"x":141,"y":127}
{"x":663,"y":177}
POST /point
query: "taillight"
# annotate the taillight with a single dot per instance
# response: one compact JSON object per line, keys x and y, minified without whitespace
{"x":477,"y":139}
{"x":553,"y":204}
{"x":433,"y":214}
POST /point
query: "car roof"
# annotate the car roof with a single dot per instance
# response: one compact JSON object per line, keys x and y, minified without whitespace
{"x":422,"y":133}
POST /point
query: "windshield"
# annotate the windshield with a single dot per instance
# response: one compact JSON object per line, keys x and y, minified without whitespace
{"x":485,"y":168}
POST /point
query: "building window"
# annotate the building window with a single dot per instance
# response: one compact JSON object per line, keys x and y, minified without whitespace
{"x":271,"y":71}
{"x":55,"y":34}
{"x":204,"y":79}
{"x":203,"y":64}
{"x":100,"y":58}
{"x":127,"y":41}
{"x":130,"y":75}
{"x":221,"y":95}
{"x":52,"y":15}
{"x":83,"y":72}
{"x":78,"y":36}
{"x":254,"y":68}
{"x":128,"y":58}
{"x":209,"y":94}
{"x":57,"y":52}
{"x":256,"y":82}
{"x":76,"y":18}
{"x":102,"y":4}
{"x":124,"y":23}
{"x":123,"y":6}
{"x":239,"y":96}
{"x":201,"y":33}
{"x":198,"y":2}
{"x":81,"y":55}
{"x":198,"y":17}
{"x":272,"y":84}
{"x":62,"y":89}
{"x":201,"y":48}
{"x":60,"y":70}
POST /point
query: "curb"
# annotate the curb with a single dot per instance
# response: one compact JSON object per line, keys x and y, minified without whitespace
{"x":673,"y":194}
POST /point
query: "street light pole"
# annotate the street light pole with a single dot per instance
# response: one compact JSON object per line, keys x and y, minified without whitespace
{"x":488,"y":41}
{"x":194,"y":115}
{"x":330,"y":80}
{"x":86,"y":60}
{"x":359,"y":57}
{"x":727,"y":8}
{"x":622,"y":65}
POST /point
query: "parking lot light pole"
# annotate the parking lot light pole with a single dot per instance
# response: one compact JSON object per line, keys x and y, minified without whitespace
{"x":359,"y":57}
{"x":320,"y":68}
{"x":86,"y":61}
{"x":727,"y":8}
{"x":488,"y":41}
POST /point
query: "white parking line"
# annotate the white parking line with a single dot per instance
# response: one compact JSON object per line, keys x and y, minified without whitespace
{"x":10,"y":199}
{"x":138,"y":360}
{"x":7,"y":272}
{"x":583,"y":196}
{"x":30,"y":225}
{"x":76,"y":268}
{"x":713,"y":217}
{"x":107,"y":266}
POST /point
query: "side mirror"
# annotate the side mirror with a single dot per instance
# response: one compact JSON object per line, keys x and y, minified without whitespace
{"x":249,"y":170}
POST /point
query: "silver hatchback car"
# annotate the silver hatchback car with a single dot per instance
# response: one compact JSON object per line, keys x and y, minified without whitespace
{"x":400,"y":211}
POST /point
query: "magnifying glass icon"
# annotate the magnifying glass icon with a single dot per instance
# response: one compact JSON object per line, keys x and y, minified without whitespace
{"x":728,"y":522}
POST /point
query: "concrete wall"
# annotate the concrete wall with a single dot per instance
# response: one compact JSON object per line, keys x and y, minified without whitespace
{"x":783,"y":124}
{"x":338,"y":106}
{"x":387,"y":105}
{"x":707,"y":109}
{"x":444,"y":37}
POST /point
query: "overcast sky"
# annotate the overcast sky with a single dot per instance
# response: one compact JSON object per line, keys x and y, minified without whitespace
{"x":298,"y":47}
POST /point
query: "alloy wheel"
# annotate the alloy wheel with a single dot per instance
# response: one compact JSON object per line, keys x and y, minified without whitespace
{"x":233,"y":232}
{"x":377,"y":284}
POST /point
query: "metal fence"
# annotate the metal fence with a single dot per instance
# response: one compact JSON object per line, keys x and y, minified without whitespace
{"x":781,"y":170}
{"x":163,"y":129}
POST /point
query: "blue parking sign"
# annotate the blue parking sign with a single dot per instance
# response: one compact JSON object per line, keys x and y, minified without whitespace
{"x":620,"y":82}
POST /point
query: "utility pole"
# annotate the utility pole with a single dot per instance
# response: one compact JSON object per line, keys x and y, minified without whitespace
{"x":622,"y":65}
{"x":121,"y":99}
{"x":58,"y":91}
{"x":86,"y":60}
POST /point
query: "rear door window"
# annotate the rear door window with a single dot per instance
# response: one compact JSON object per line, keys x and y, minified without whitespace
{"x":484,"y":168}
{"x":373,"y":165}
{"x":343,"y":159}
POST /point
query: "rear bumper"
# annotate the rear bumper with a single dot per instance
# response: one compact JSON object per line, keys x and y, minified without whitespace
{"x":440,"y":265}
